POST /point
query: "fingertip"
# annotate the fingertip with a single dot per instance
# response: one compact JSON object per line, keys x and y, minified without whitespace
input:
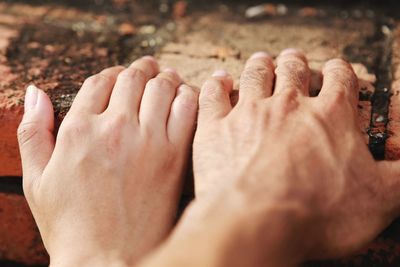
{"x":45,"y":109}
{"x":31,"y":97}
{"x":171,"y":74}
{"x":153,"y":62}
{"x":187,"y":97}
{"x":293,"y":52}
{"x":36,"y":99}
{"x":150,"y":58}
{"x":260,"y":58}
{"x":170,"y":70}
{"x":337,"y":63}
{"x":225,"y":78}
{"x":220,"y":74}
{"x":183,"y":115}
{"x":260,"y":54}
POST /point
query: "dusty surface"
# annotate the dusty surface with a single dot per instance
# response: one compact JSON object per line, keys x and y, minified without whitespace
{"x":57,"y":44}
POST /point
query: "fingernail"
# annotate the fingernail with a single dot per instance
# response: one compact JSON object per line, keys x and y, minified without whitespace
{"x":260,"y":54}
{"x":151,"y":58}
{"x":290,"y":51}
{"x":172,"y":70}
{"x":31,"y":97}
{"x":220,"y":73}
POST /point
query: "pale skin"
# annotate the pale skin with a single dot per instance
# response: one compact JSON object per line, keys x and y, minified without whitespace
{"x":280,"y":178}
{"x":116,"y":167}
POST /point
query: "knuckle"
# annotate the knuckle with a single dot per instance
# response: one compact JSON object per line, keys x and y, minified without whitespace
{"x":251,"y":107}
{"x":187,"y":101}
{"x":72,"y":128}
{"x":285,"y":101}
{"x":131,"y":73}
{"x":26,"y":131}
{"x":170,"y":76}
{"x":292,"y":57}
{"x":295,"y":71}
{"x":92,"y":81}
{"x":257,"y":73}
{"x":160,"y":83}
{"x":117,"y":121}
{"x":264,"y":62}
{"x":344,"y":82}
{"x":338,"y":103}
{"x":340,"y":72}
{"x":114,"y":125}
{"x":337,"y":99}
{"x":338,"y":63}
{"x":212,"y":89}
{"x":112,"y":132}
{"x":212,"y":92}
{"x":97,"y":79}
{"x":147,"y":132}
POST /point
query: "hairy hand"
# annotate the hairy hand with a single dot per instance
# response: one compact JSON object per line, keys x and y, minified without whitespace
{"x":280,"y":149}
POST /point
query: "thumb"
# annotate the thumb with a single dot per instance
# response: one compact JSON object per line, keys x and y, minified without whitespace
{"x":35,"y":134}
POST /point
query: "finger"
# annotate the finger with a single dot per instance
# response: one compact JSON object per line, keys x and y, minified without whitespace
{"x":157,"y":99}
{"x":95,"y":93}
{"x":35,"y":134}
{"x":339,"y":79}
{"x":182,"y":118}
{"x":257,"y":78}
{"x":128,"y":90}
{"x":214,"y":100}
{"x":292,"y":73}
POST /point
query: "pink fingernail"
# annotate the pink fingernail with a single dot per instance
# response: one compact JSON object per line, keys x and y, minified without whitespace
{"x":31,"y":97}
{"x":220,"y":73}
{"x":290,"y":51}
{"x":260,"y":54}
{"x":150,"y":58}
{"x":172,"y":70}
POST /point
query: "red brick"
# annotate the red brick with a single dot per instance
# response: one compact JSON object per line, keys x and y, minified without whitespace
{"x":19,"y":238}
{"x":9,"y":154}
{"x":10,"y":110}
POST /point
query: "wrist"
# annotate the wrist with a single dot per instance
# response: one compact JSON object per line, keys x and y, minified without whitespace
{"x":96,"y":259}
{"x":237,"y":233}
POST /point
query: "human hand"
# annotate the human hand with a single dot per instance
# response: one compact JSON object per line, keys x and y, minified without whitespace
{"x":281,"y":152}
{"x":105,"y":192}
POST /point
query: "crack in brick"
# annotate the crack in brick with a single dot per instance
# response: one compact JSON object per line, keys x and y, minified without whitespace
{"x":375,"y":53}
{"x":381,"y":98}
